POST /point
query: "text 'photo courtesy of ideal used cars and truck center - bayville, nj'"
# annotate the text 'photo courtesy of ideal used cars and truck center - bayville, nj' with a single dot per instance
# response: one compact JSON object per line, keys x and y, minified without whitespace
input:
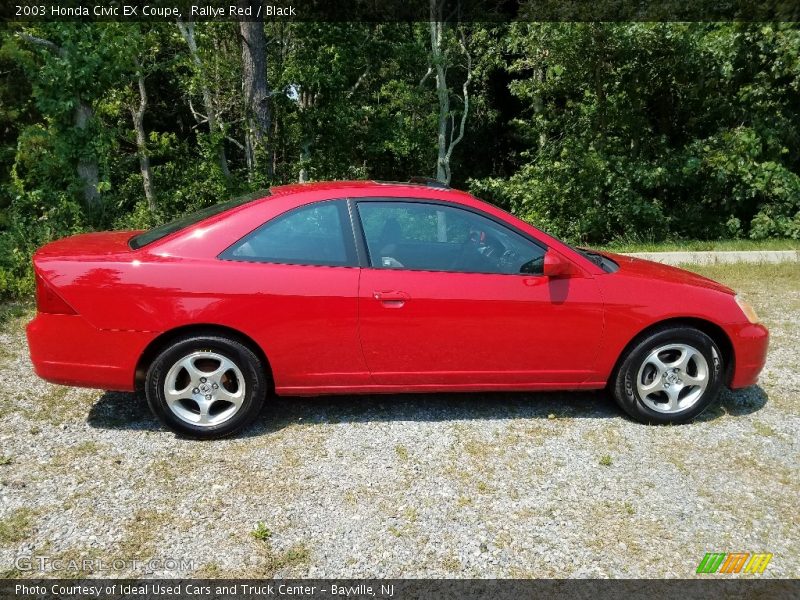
{"x":423,"y":299}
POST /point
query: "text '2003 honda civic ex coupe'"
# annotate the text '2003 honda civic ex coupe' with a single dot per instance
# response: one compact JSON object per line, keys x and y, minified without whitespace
{"x":370,"y":287}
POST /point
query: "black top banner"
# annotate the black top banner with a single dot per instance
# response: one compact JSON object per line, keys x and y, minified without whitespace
{"x":401,"y":10}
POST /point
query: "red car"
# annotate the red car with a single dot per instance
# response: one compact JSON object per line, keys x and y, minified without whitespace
{"x":369,"y":287}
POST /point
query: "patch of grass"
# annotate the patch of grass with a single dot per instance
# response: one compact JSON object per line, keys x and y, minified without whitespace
{"x":11,"y":574}
{"x":55,"y":407}
{"x":401,"y":452}
{"x":643,"y":245}
{"x":291,"y":458}
{"x":209,"y":571}
{"x":679,"y":463}
{"x":261,"y":532}
{"x":141,"y":534}
{"x":483,"y":487}
{"x":411,"y":514}
{"x":763,"y":429}
{"x":164,"y":469}
{"x":476,"y":449}
{"x":606,"y":460}
{"x":609,"y":437}
{"x":395,"y":531}
{"x":16,"y":526}
{"x":451,"y":563}
{"x":69,"y":454}
{"x":294,"y":556}
{"x":6,"y":460}
{"x":14,"y":310}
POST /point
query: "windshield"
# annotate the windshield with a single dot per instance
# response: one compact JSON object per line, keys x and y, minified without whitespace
{"x":162,"y":231}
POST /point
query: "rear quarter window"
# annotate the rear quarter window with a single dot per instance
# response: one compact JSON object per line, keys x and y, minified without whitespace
{"x":317,"y":234}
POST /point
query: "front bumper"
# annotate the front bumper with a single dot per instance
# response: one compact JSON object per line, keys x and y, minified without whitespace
{"x":68,"y":350}
{"x":750,"y":344}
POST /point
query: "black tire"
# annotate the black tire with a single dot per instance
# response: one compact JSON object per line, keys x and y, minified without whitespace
{"x":624,"y":383}
{"x":200,"y":347}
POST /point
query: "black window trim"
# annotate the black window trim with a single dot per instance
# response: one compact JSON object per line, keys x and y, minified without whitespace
{"x":345,"y":219}
{"x":363,"y":251}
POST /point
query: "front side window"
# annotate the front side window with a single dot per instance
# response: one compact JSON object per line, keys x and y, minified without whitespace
{"x":316,"y":234}
{"x":434,"y":237}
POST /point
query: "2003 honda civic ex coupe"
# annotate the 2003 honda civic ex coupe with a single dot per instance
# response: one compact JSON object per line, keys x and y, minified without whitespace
{"x":369,"y":287}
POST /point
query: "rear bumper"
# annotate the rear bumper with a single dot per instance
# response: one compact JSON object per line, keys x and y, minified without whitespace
{"x":750,"y":344}
{"x":66,"y":349}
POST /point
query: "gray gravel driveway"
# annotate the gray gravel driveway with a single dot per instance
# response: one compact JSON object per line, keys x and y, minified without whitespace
{"x":468,"y":485}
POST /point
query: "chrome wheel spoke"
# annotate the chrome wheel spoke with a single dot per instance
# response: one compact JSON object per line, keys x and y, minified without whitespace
{"x":687,"y":354}
{"x":657,"y":363}
{"x":649,"y":388}
{"x":692,"y":380}
{"x":224,"y":366}
{"x":194,"y":373}
{"x":234,"y":398}
{"x":174,"y":395}
{"x":204,"y":406}
{"x":673,"y":392}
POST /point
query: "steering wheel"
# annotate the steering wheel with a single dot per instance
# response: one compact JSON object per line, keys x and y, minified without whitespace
{"x":478,"y":249}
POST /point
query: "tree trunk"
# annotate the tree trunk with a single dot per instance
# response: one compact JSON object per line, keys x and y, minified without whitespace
{"x":187,"y":31}
{"x":137,"y":113}
{"x":437,"y":29}
{"x":538,"y":101}
{"x":306,"y":100}
{"x":305,"y":155}
{"x":255,"y":89}
{"x":87,"y":165}
{"x":88,"y":171}
{"x":439,"y":66}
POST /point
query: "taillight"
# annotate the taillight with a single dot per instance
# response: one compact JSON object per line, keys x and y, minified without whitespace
{"x":48,"y":301}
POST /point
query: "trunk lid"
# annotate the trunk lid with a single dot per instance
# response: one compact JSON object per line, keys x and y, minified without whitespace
{"x":88,"y":244}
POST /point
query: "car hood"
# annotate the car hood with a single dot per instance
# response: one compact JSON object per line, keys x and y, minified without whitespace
{"x":88,"y":244}
{"x":647,"y":269}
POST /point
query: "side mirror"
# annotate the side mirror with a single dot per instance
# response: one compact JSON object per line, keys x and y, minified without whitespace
{"x":556,"y":265}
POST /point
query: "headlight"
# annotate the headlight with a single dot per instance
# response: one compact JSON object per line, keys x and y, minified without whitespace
{"x":748,"y":310}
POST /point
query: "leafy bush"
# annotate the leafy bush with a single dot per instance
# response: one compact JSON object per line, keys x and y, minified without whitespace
{"x":33,"y":220}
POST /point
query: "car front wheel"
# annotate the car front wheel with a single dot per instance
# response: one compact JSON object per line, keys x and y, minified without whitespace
{"x":670,"y":376}
{"x":206,"y":386}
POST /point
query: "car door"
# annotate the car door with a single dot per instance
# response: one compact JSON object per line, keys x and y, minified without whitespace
{"x":454,"y":299}
{"x":297,"y":285}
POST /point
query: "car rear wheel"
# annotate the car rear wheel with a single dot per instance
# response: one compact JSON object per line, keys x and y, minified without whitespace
{"x":206,"y":386}
{"x":670,"y":376}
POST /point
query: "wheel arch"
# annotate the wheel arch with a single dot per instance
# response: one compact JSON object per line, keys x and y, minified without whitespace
{"x":166,"y":338}
{"x":711,"y":329}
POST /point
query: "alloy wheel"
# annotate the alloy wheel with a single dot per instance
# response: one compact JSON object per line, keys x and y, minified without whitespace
{"x":204,"y":388}
{"x":672,"y":378}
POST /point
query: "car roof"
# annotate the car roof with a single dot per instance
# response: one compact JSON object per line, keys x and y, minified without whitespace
{"x":293,"y":188}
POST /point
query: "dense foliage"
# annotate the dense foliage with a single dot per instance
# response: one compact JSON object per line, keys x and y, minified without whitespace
{"x":591,"y":131}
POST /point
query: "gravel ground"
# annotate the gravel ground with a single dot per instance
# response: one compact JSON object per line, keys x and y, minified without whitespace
{"x":488,"y":485}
